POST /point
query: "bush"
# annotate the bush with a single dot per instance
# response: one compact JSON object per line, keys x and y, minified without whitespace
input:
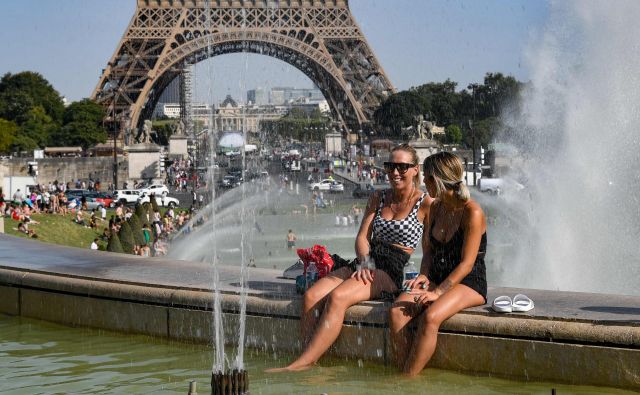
{"x":136,"y":229}
{"x":126,"y":237}
{"x":154,"y":205}
{"x":142,"y":213}
{"x":114,"y":244}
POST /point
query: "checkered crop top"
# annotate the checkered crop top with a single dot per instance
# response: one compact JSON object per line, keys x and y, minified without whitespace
{"x":406,"y":232}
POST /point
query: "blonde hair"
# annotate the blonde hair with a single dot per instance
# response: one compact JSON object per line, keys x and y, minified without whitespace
{"x":414,"y":159}
{"x":447,"y":172}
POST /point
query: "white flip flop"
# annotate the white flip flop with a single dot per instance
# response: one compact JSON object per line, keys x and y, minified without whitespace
{"x":502,"y":304}
{"x":522,"y":303}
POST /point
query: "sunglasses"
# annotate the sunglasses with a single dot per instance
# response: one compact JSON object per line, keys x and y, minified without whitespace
{"x":401,"y":167}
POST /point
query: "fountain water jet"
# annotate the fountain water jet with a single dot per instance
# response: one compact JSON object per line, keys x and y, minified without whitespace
{"x":576,"y":221}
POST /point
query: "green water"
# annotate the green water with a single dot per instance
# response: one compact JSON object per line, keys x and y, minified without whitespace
{"x":43,"y":358}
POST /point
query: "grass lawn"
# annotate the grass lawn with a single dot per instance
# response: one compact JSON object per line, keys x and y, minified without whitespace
{"x":58,"y":229}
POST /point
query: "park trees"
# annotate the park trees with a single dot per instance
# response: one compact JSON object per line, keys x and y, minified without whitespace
{"x":8,"y":130}
{"x":82,"y":125}
{"x":29,"y":101}
{"x":399,"y":111}
{"x":299,"y":125}
{"x":20,"y":92}
{"x":483,"y":104}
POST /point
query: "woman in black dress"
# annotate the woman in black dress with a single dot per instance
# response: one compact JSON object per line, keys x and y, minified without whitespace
{"x":452,"y":274}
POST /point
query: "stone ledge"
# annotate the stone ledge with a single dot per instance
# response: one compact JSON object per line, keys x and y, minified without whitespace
{"x":367,"y":314}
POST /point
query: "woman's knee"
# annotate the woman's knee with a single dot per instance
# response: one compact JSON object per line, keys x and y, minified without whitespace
{"x":338,"y":298}
{"x":433,"y":318}
{"x":313,"y":296}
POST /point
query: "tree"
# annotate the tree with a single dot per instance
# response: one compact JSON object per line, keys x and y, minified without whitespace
{"x":441,"y":101}
{"x":399,"y":111}
{"x":484,"y":130}
{"x":154,"y":205}
{"x":82,"y":125}
{"x":126,"y":237}
{"x":136,"y":229}
{"x":141,"y":213}
{"x":453,"y":134}
{"x":8,"y":132}
{"x":22,"y":91}
{"x":114,"y":244}
{"x":35,"y":131}
{"x":84,"y":134}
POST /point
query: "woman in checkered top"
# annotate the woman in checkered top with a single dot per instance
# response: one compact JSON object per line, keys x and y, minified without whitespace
{"x":390,"y":231}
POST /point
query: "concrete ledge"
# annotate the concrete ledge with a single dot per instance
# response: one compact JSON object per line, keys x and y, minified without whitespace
{"x":570,"y":337}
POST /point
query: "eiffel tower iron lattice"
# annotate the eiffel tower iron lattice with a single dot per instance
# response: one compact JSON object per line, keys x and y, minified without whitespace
{"x":319,"y":37}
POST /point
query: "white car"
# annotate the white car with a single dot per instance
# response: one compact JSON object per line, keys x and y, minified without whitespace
{"x":162,"y":201}
{"x":496,"y":186}
{"x":127,"y":196}
{"x":336,"y":187}
{"x":155,"y":189}
{"x":324,"y":185}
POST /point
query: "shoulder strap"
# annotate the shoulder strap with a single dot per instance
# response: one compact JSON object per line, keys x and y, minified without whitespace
{"x":418,"y":203}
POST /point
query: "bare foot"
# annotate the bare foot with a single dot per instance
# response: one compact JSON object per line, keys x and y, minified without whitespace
{"x":289,"y":369}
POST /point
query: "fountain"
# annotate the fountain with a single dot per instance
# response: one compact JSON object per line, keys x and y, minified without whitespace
{"x":576,"y":220}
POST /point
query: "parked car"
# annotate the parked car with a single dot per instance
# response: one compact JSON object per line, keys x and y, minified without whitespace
{"x":229,"y":182}
{"x":162,"y":201}
{"x":155,"y":189}
{"x":127,"y":196}
{"x":495,"y":186}
{"x":94,"y":204}
{"x":73,"y":193}
{"x":360,"y":192}
{"x":336,"y":187}
{"x":324,"y":185}
{"x":106,"y":199}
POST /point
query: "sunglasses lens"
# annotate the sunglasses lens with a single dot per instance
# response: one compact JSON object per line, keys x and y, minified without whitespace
{"x":401,"y":167}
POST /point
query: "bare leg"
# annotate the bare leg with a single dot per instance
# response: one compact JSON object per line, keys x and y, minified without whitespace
{"x":458,"y":298}
{"x":347,"y":294}
{"x":314,"y":300}
{"x":401,"y":313}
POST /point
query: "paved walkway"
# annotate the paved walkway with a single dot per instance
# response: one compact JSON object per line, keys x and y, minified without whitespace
{"x":31,"y":255}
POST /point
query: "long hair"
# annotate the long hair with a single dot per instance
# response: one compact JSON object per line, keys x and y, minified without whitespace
{"x":414,"y":159}
{"x":447,"y":172}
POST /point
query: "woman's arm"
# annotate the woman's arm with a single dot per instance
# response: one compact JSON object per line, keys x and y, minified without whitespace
{"x":422,"y":280}
{"x":364,"y":237}
{"x":366,"y":226}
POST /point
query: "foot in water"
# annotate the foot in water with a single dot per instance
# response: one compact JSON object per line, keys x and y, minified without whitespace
{"x":289,"y":369}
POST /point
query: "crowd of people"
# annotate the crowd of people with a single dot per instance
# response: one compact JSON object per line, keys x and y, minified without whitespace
{"x":51,"y":200}
{"x":157,"y":227}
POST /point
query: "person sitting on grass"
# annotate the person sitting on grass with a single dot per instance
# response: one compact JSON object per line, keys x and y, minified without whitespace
{"x":23,"y":228}
{"x":93,"y":221}
{"x":105,"y":235}
{"x":79,"y":219}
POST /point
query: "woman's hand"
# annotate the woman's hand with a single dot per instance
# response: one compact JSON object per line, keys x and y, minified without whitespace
{"x":420,"y":282}
{"x":363,"y":274}
{"x":423,"y":297}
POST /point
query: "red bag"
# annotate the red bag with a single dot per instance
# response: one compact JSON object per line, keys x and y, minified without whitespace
{"x":317,"y":254}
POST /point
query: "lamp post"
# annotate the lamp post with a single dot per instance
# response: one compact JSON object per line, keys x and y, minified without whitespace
{"x":115,"y":146}
{"x":473,"y":133}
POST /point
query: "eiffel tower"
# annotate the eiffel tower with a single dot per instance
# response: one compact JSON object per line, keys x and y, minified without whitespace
{"x":319,"y":37}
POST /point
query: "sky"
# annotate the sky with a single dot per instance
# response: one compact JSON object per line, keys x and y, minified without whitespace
{"x":417,"y":41}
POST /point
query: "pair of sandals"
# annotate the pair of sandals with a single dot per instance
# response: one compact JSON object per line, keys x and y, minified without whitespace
{"x":504,"y":304}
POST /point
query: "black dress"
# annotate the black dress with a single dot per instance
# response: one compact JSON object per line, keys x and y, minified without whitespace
{"x":447,"y":255}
